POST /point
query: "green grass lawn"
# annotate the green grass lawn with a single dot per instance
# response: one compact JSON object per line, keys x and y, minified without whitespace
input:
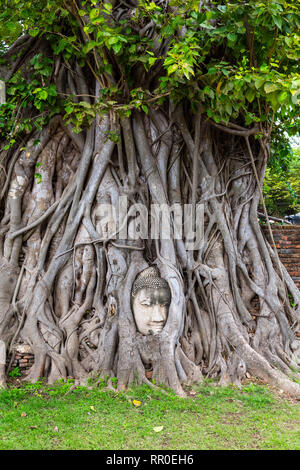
{"x":214,"y":418}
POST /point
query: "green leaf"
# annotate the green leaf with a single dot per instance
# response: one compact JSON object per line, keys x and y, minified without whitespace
{"x":108,"y":7}
{"x":250,"y":94}
{"x":38,"y":178}
{"x":172,"y":69}
{"x":278,"y":21}
{"x":84,"y":104}
{"x":269,"y":87}
{"x":94,"y":14}
{"x":43,"y":95}
{"x":69,"y":109}
{"x":228,"y":108}
{"x":34,"y":32}
{"x":117,"y":47}
{"x":52,"y":90}
{"x":295,"y":98}
{"x":259,"y":82}
{"x":89,"y":46}
{"x":152,"y":60}
{"x":232,"y":37}
{"x":112,"y":40}
{"x":282,"y":96}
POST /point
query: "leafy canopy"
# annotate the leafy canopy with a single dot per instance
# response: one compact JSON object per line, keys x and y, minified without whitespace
{"x":238,"y":59}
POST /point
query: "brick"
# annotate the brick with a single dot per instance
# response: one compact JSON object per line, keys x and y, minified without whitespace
{"x":287,"y":242}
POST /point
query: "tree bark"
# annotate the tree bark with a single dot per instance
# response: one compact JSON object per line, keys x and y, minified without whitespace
{"x":65,"y":286}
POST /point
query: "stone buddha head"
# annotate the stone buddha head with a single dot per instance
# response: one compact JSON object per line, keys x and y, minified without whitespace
{"x":151,"y":297}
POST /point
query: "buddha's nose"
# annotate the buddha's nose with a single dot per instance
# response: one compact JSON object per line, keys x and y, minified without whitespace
{"x":158,"y":315}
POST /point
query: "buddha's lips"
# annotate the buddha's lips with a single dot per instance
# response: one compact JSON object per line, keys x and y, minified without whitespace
{"x":157,"y":327}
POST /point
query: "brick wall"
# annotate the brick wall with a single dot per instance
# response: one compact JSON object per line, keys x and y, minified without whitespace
{"x":287,"y":240}
{"x":23,"y":358}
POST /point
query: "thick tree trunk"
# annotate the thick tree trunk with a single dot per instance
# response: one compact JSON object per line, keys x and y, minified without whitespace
{"x":65,"y":285}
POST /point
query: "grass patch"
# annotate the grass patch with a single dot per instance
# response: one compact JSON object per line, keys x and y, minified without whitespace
{"x":43,"y":417}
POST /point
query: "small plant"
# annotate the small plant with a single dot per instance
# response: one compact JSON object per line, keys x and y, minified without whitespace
{"x":291,"y":299}
{"x":15,"y":373}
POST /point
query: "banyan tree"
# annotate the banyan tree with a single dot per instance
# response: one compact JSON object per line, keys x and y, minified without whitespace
{"x":111,"y":109}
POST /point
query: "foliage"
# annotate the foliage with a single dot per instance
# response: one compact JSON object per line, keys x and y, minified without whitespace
{"x":35,"y":92}
{"x":237,"y":59}
{"x":282,"y":184}
{"x":15,"y":372}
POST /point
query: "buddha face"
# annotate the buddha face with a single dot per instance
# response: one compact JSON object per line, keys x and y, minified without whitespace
{"x":150,"y":309}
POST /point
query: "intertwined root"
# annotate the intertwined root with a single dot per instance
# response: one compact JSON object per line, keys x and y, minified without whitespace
{"x":65,"y":286}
